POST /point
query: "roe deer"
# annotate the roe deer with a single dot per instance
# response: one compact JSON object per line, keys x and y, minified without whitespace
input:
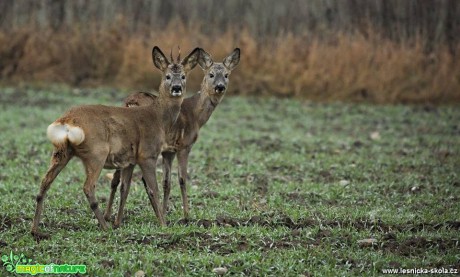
{"x":195,"y":112}
{"x":118,"y":138}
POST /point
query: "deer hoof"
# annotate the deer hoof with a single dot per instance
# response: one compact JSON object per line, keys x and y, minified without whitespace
{"x":40,"y":236}
{"x":116,"y":225}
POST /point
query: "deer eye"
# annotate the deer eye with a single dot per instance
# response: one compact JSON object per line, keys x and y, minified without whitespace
{"x":183,"y":77}
{"x":168,"y":77}
{"x":226,"y":76}
{"x":211,"y":75}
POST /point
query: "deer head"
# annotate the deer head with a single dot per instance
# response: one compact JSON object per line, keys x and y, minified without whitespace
{"x":215,"y":81}
{"x":174,"y":73}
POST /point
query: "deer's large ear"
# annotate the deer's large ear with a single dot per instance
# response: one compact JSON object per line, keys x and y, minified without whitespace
{"x":232,"y":60}
{"x":159,"y":59}
{"x":205,"y":60}
{"x":191,"y":60}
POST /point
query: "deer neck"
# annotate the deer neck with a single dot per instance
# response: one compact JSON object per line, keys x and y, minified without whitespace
{"x":205,"y":106}
{"x":170,"y":109}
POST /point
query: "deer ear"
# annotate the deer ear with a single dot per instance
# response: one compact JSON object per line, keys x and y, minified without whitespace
{"x":191,"y":60}
{"x":205,"y":60}
{"x":232,"y":60}
{"x":159,"y":59}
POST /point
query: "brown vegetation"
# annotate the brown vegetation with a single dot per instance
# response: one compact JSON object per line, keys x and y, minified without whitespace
{"x":375,"y":51}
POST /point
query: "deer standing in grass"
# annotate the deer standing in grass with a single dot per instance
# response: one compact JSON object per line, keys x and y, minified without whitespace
{"x":118,"y":138}
{"x":195,"y":112}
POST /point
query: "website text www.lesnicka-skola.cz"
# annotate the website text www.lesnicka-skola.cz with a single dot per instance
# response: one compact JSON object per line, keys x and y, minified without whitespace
{"x":441,"y":270}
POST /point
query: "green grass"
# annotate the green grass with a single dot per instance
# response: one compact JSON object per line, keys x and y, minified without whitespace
{"x":278,"y":187}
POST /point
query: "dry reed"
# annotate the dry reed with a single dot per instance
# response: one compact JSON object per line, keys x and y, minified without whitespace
{"x":344,"y":67}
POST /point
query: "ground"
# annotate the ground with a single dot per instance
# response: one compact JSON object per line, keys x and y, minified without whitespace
{"x":277,"y":187}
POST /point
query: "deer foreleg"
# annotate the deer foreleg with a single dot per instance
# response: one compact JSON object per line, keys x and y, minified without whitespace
{"x":167,"y":162}
{"x":182,"y":159}
{"x":148,"y":168}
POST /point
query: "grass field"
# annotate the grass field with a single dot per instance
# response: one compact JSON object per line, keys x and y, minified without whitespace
{"x":277,"y":187}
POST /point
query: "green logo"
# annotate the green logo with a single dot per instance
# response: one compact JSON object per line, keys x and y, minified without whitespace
{"x":12,"y":260}
{"x":20,"y":264}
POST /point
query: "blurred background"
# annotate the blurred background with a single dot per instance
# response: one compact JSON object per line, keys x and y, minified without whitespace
{"x":378,"y":51}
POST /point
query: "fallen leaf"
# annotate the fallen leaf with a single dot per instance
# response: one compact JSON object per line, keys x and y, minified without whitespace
{"x":220,"y":270}
{"x":375,"y":135}
{"x":139,"y":273}
{"x":415,"y":189}
{"x":367,"y":242}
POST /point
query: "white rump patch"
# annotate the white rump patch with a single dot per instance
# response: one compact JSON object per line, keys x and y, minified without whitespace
{"x":59,"y":133}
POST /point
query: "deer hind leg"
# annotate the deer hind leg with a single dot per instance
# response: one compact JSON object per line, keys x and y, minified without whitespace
{"x":59,"y":159}
{"x":126,"y":175}
{"x":182,"y":160}
{"x":150,"y":183}
{"x":93,"y":168}
{"x":167,"y":162}
{"x":113,"y":187}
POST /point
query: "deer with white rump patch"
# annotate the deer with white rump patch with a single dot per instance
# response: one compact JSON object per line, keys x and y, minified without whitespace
{"x":195,"y":112}
{"x":118,"y":138}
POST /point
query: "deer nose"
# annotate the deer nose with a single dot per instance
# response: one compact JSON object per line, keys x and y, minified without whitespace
{"x":220,"y":88}
{"x":176,"y":88}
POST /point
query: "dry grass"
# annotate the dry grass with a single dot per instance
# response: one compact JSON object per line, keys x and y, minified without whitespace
{"x":345,"y":67}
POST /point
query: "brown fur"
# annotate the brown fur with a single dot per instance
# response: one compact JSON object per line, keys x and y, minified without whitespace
{"x":120,"y":138}
{"x":195,"y":112}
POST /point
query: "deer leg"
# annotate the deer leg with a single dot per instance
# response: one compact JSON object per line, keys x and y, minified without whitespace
{"x":147,"y":190}
{"x":148,"y":168}
{"x":59,"y":160}
{"x":113,"y":187}
{"x":182,"y":159}
{"x":126,"y":175}
{"x":167,"y":162}
{"x":93,"y":170}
